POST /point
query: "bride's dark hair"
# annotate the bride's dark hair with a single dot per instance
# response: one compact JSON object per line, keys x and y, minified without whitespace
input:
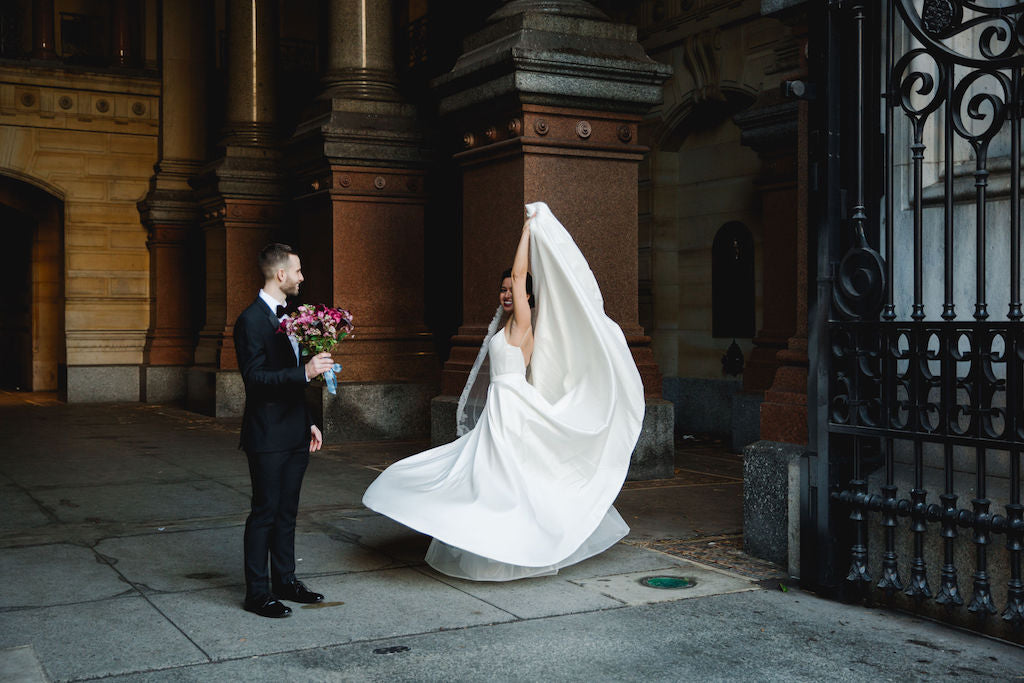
{"x":529,"y":285}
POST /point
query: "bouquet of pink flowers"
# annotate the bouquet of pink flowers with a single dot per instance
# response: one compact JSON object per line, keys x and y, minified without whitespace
{"x":317,"y":327}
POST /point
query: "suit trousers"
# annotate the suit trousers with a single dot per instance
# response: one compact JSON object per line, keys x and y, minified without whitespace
{"x":270,"y":529}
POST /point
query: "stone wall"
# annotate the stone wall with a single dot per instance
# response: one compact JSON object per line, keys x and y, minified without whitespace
{"x":698,"y":177}
{"x":91,"y":140}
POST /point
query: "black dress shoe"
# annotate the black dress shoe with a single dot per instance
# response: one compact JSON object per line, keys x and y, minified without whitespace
{"x":270,"y":607}
{"x":297,"y":592}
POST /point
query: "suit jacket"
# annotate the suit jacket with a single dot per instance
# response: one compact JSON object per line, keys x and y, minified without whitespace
{"x":276,"y":417}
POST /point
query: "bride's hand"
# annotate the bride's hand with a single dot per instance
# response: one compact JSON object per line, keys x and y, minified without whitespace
{"x":526,"y":228}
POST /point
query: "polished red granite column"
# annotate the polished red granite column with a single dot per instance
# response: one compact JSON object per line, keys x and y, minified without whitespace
{"x":358,"y":164}
{"x":242,"y":201}
{"x":776,"y":128}
{"x":170,"y":210}
{"x":784,"y":411}
{"x":583,"y":164}
{"x":546,"y":100}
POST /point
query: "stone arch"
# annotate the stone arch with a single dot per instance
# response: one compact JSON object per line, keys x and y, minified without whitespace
{"x":709,"y":85}
{"x":691,"y":112}
{"x":32,"y":335}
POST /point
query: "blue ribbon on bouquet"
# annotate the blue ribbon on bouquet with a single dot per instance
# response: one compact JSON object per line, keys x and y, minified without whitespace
{"x":332,"y":382}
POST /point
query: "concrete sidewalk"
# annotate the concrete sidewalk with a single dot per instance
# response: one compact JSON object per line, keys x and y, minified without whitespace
{"x":120,"y":555}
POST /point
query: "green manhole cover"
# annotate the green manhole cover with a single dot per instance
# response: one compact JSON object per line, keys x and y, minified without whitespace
{"x":669,"y":582}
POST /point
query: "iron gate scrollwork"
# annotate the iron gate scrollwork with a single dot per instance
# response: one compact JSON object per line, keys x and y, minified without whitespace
{"x":917,"y":418}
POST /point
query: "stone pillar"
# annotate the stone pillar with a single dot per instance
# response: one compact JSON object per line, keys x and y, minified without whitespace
{"x":42,"y":30}
{"x":770,"y":128}
{"x":252,"y":37}
{"x":358,"y":167}
{"x":242,"y":202}
{"x":563,"y":130}
{"x":784,"y":411}
{"x":170,"y":211}
{"x":778,"y":130}
{"x":360,"y":51}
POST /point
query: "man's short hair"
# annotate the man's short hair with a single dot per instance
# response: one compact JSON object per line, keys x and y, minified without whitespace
{"x":273,"y":257}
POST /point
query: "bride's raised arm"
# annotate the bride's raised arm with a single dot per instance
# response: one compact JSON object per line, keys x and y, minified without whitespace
{"x":521,"y":317}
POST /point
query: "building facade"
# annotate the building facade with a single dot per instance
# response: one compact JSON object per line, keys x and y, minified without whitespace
{"x":150,"y":148}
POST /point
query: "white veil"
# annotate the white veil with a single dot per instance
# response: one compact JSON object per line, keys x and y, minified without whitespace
{"x":474,"y":394}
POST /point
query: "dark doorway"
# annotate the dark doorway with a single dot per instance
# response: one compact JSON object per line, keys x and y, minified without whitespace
{"x":32,"y":331}
{"x":16,"y":280}
{"x":732,"y":282}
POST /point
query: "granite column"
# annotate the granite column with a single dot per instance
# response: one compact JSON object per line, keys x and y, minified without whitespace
{"x":358,"y":168}
{"x":170,"y":211}
{"x":242,"y":202}
{"x":545,"y":101}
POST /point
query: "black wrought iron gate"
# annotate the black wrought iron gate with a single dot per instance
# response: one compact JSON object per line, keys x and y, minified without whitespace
{"x":912,"y":482}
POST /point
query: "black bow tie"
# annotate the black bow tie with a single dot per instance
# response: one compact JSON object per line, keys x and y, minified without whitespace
{"x":280,"y":311}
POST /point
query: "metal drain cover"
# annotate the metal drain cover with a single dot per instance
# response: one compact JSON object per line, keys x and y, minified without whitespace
{"x":669,"y":582}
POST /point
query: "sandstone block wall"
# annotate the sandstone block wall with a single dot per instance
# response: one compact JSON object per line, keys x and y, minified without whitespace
{"x":90,"y":140}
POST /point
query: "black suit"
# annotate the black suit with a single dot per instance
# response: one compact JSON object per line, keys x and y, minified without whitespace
{"x":275,"y":437}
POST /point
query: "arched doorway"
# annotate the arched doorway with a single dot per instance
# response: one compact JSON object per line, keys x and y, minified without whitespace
{"x":32,"y":333}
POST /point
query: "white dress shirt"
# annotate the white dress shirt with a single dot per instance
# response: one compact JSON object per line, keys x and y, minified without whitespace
{"x":273,"y":304}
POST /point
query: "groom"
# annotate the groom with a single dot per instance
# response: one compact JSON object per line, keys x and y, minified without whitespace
{"x":277,"y":435}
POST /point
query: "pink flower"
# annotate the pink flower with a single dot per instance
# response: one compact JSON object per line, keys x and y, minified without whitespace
{"x":317,"y":327}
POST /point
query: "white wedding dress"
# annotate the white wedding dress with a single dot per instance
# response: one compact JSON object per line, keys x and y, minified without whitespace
{"x":530,"y":488}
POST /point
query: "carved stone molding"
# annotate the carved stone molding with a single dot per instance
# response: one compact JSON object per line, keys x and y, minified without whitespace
{"x":702,"y":59}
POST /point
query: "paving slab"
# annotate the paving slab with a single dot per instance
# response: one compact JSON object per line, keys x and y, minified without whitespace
{"x":57,"y":574}
{"x":137,"y":502}
{"x":327,"y":552}
{"x":199,"y":559}
{"x":205,"y":462}
{"x":359,"y":606}
{"x":702,"y":582}
{"x":567,"y":592}
{"x":682,"y":511}
{"x":74,"y":468}
{"x":98,"y":638}
{"x":532,"y":598}
{"x":383,"y":535}
{"x":620,"y":558}
{"x":755,"y":636}
{"x":329,"y":482}
{"x":21,"y":511}
{"x":20,"y":665}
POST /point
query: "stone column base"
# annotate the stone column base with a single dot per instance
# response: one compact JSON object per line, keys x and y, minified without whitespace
{"x":655,"y":454}
{"x":218,"y":393}
{"x":771,"y":502}
{"x":442,"y":419}
{"x":371,"y":411}
{"x":163,"y":383}
{"x":653,"y":457}
{"x":98,"y":383}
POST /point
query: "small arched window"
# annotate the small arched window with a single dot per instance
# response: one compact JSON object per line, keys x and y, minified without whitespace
{"x":732,"y":282}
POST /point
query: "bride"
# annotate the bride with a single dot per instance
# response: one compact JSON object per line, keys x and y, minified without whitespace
{"x":529,"y":487}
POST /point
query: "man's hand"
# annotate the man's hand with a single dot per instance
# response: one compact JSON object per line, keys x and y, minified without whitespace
{"x":318,"y":365}
{"x":316,"y":439}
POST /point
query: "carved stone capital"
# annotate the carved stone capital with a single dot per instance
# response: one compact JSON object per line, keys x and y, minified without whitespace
{"x":770,"y":126}
{"x":563,"y":54}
